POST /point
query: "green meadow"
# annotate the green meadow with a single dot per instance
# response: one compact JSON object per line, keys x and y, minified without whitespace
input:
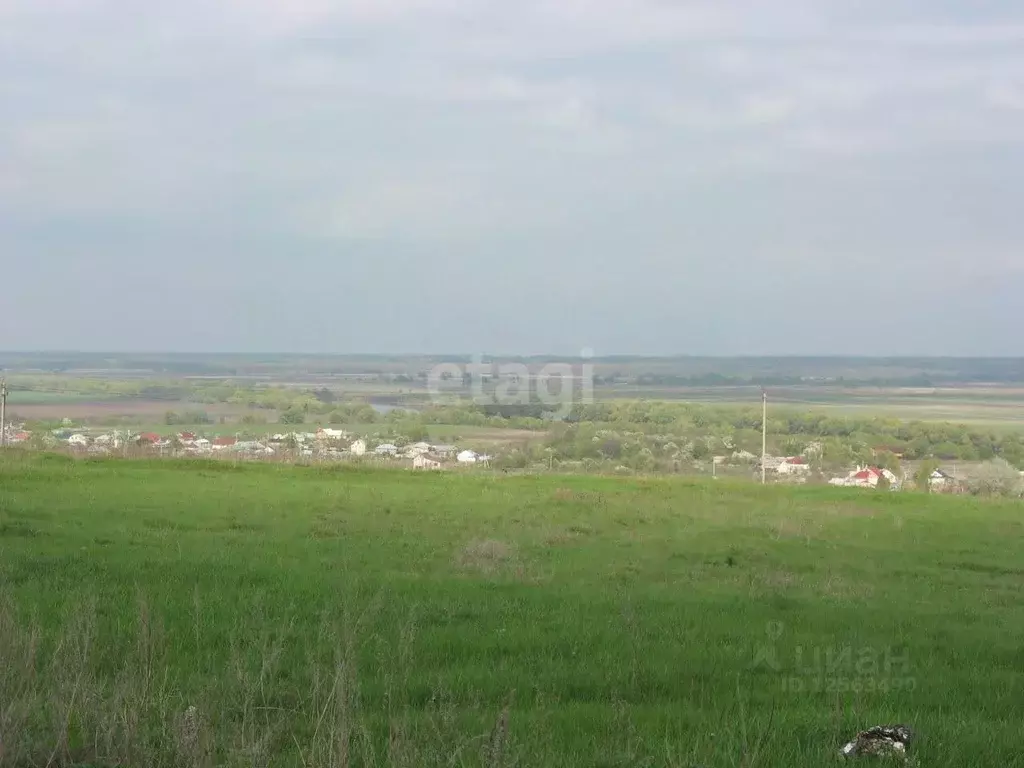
{"x":212,"y":614}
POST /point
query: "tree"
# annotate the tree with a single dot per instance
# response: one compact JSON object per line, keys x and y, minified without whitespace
{"x":888,"y":460}
{"x":610,"y":448}
{"x":995,"y":478}
{"x":293,"y":416}
{"x":700,"y":450}
{"x":415,"y":432}
{"x":324,"y":395}
{"x":196,"y":417}
{"x":922,"y":478}
{"x":792,"y":446}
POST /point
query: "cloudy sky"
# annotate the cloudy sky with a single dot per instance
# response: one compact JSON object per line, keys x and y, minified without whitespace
{"x":538,"y":176}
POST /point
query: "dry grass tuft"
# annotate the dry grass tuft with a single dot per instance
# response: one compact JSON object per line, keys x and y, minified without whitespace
{"x":496,"y":751}
{"x":487,"y":556}
{"x":58,"y":710}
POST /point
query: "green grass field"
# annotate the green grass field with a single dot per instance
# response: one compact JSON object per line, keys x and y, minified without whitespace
{"x":335,"y":617}
{"x":1000,"y":408}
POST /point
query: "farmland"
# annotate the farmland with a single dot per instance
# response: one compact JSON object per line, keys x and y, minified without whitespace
{"x":637,"y":414}
{"x":343,"y":616}
{"x":102,"y":390}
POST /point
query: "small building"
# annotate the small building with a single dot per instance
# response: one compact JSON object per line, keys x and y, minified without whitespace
{"x":424,"y":462}
{"x":78,"y":441}
{"x":467,"y":457}
{"x":222,"y":443}
{"x":941,"y":481}
{"x":325,"y":433}
{"x":386,"y":449}
{"x":865,"y":477}
{"x":252,"y":447}
{"x":794,"y":465}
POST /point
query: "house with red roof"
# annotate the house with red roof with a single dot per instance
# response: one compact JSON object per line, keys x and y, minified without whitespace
{"x":865,"y":477}
{"x":220,"y":443}
{"x":150,"y":438}
{"x":794,"y":465}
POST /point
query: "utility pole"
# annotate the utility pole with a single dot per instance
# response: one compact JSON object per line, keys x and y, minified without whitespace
{"x":3,"y":412}
{"x":764,"y":434}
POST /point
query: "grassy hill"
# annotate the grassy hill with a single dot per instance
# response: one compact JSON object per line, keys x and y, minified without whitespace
{"x":340,"y":616}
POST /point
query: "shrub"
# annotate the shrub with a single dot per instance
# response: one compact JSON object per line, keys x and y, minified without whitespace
{"x":996,"y":477}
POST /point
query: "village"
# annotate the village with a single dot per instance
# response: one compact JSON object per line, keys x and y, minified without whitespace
{"x":324,"y":444}
{"x":338,"y":445}
{"x":800,"y":469}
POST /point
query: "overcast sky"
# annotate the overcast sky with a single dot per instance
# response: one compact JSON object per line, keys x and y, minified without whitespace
{"x":538,"y":176}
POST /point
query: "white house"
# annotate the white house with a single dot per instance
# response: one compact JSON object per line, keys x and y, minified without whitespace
{"x":422,"y":462}
{"x":325,"y":433}
{"x":252,"y":447}
{"x":358,"y":448}
{"x":467,"y":457}
{"x":865,"y":477}
{"x":794,"y":465}
{"x":78,"y":440}
{"x":386,"y":449}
